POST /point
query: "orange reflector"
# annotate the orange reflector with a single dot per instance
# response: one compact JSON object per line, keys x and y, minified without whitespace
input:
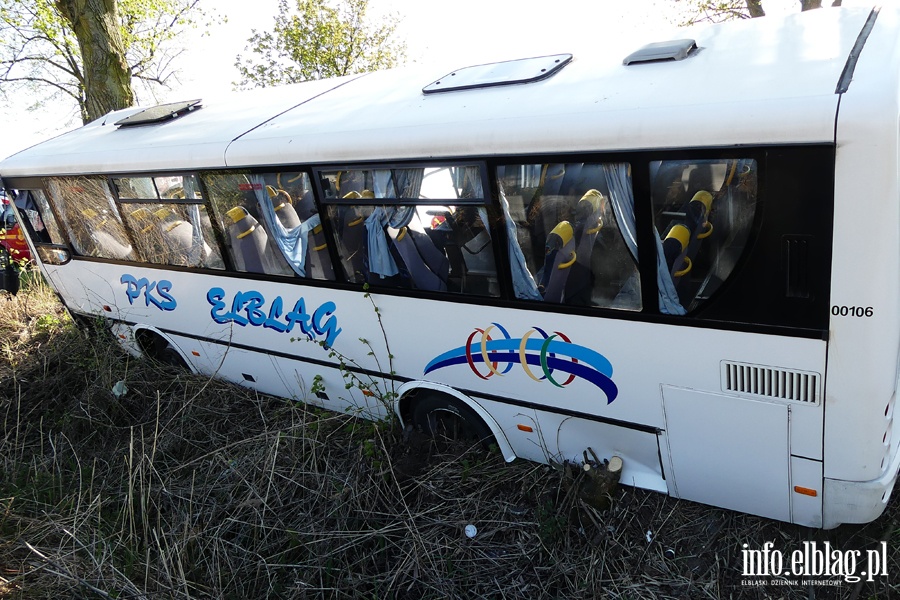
{"x":122,"y":335}
{"x":107,"y":308}
{"x":195,"y":353}
{"x":806,"y":491}
{"x":368,"y":393}
{"x":524,"y":428}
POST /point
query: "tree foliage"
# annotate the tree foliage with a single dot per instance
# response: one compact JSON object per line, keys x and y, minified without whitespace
{"x":696,"y":11}
{"x":90,"y":51}
{"x":315,"y":40}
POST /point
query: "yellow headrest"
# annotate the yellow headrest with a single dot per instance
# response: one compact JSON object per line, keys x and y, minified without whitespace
{"x":237,"y":214}
{"x":680,"y":233}
{"x":594,"y":197}
{"x":141,"y":214}
{"x":704,"y":198}
{"x":564,"y":230}
{"x":365,"y":194}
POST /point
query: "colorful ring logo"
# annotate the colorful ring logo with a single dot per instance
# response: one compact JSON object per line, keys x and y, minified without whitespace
{"x":494,"y":355}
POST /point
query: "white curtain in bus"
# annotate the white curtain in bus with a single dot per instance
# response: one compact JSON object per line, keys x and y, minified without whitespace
{"x":618,"y":179}
{"x":292,"y":242}
{"x":524,"y":285}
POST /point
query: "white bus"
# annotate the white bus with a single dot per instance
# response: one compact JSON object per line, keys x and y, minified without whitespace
{"x":683,"y":254}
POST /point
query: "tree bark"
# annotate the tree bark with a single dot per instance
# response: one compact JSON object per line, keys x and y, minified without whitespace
{"x":754,"y":7}
{"x":107,"y":78}
{"x":810,"y":4}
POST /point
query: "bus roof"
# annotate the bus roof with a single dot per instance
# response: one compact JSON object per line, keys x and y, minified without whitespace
{"x":769,"y":80}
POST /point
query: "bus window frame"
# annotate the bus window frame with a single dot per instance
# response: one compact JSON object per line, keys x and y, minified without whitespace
{"x":203,"y":200}
{"x":711,"y":313}
{"x":487,"y":199}
{"x":38,"y":183}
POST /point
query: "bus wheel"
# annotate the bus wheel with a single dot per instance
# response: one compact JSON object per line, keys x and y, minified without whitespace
{"x":157,"y":348}
{"x":446,"y":418}
{"x":170,"y":356}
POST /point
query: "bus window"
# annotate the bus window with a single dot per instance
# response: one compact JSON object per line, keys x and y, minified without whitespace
{"x":703,"y":212}
{"x":415,"y":228}
{"x":239,"y":201}
{"x":571,"y":233}
{"x":286,"y":202}
{"x":448,"y":183}
{"x":89,"y":215}
{"x":41,"y":222}
{"x":169,"y":233}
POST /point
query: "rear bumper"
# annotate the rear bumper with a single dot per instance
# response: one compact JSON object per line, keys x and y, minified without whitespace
{"x":859,"y":501}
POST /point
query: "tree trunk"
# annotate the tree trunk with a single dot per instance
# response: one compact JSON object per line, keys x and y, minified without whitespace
{"x":810,"y":4}
{"x":107,"y":79}
{"x":754,"y":7}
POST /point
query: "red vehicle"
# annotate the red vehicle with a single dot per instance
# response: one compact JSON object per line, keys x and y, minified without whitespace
{"x":11,"y":236}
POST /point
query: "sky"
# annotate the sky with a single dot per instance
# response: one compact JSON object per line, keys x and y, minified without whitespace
{"x":448,"y":35}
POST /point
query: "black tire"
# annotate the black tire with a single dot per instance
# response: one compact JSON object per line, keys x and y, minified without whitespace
{"x":157,"y":348}
{"x":171,"y":357}
{"x":444,"y":417}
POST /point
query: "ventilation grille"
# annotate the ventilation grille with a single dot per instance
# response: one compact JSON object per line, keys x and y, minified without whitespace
{"x":769,"y":382}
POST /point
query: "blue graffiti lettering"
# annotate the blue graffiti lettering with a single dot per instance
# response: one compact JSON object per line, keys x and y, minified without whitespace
{"x":275,"y":311}
{"x":249,"y":308}
{"x":135,"y":288}
{"x":330,"y":329}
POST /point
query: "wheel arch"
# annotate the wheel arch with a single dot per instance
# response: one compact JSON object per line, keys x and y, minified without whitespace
{"x":406,"y":397}
{"x":150,"y":341}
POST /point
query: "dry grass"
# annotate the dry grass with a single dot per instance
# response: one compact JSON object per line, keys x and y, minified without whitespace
{"x":190,"y":488}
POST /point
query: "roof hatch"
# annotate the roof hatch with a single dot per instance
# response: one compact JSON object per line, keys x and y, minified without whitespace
{"x":662,"y":52}
{"x":160,"y":113}
{"x":524,"y":70}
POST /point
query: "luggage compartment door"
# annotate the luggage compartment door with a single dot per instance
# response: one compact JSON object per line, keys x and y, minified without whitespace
{"x":728,"y":451}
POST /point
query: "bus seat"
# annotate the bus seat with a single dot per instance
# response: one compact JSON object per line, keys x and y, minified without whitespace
{"x":427,"y":267}
{"x":284,"y":207}
{"x":248,"y":240}
{"x":547,"y":207}
{"x":436,"y":260}
{"x":177,"y":235}
{"x":178,"y":239}
{"x":559,"y":257}
{"x":588,"y":223}
{"x":572,"y":180}
{"x":354,"y":239}
{"x":697,"y":214}
{"x":552,"y":178}
{"x":675,"y":245}
{"x":349,"y":182}
{"x":148,"y":235}
{"x":444,"y":237}
{"x":317,"y":256}
{"x":305,"y":206}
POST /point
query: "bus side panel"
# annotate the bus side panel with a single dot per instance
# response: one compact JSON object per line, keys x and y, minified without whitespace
{"x":865,"y":323}
{"x":729,"y":452}
{"x":639,"y":450}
